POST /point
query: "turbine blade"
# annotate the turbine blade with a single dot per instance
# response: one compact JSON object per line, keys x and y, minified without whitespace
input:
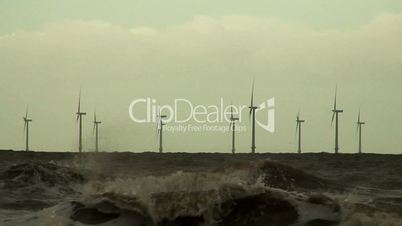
{"x":25,"y":118}
{"x":159,"y":112}
{"x":333,"y":116}
{"x":252,"y":95}
{"x":79,"y":102}
{"x":252,"y":100}
{"x":158,"y":121}
{"x":79,"y":105}
{"x":231,"y":110}
{"x":358,"y":117}
{"x":336,"y":93}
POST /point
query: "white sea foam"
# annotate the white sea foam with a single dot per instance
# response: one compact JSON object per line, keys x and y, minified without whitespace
{"x":150,"y":199}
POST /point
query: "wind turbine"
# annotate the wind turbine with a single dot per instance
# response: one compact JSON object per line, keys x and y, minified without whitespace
{"x":95,"y":130}
{"x":335,"y":113}
{"x":299,"y":129}
{"x":161,"y":123}
{"x":26,"y":129}
{"x":79,"y":118}
{"x":359,"y":129}
{"x":252,"y":113}
{"x":233,"y":128}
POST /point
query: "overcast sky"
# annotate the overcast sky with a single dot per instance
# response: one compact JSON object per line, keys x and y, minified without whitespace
{"x":201,"y":50}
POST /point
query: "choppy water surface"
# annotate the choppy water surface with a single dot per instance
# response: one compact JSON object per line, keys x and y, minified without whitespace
{"x":197,"y":189}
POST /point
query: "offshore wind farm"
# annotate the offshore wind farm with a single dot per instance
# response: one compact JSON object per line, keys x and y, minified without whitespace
{"x":325,"y":192}
{"x":161,"y":122}
{"x":201,"y":113}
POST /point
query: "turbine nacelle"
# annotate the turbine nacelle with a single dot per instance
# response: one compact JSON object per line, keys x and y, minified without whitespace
{"x":232,"y":118}
{"x":160,"y":121}
{"x":96,"y":121}
{"x":335,"y":110}
{"x":79,"y":113}
{"x":358,"y":119}
{"x":26,"y":119}
{"x":298,"y":120}
{"x":252,"y":107}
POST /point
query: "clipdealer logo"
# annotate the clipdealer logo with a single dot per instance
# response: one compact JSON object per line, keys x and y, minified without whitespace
{"x":186,"y":115}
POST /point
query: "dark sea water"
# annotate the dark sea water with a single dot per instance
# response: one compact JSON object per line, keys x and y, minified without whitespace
{"x":68,"y":189}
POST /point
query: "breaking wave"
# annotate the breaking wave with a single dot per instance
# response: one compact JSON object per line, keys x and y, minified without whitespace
{"x":266,"y":193}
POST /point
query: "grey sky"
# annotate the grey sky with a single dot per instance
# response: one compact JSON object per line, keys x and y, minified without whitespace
{"x":34,"y":15}
{"x":201,"y":50}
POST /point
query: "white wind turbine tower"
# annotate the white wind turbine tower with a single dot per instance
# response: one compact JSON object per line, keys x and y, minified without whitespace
{"x":233,"y":128}
{"x":299,"y":129}
{"x":252,"y":114}
{"x":26,"y":129}
{"x":335,"y":113}
{"x":79,"y":119}
{"x":96,"y":132}
{"x":160,"y":124}
{"x":359,"y":130}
